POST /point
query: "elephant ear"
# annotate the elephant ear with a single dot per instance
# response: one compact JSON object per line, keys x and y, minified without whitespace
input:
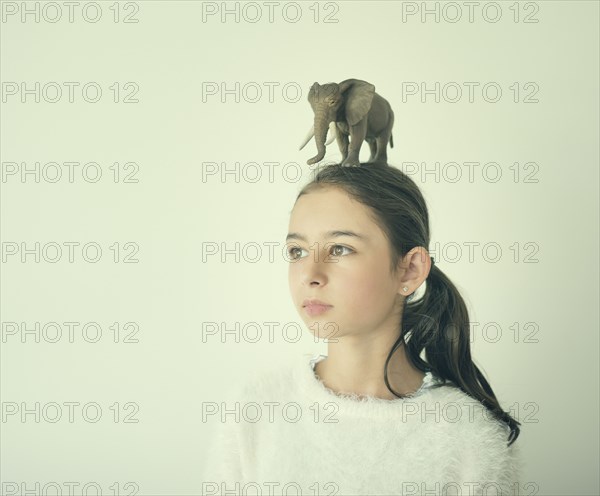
{"x":358,"y":95}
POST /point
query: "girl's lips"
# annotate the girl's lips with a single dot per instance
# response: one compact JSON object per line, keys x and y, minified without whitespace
{"x":314,"y":301}
{"x":316,"y":309}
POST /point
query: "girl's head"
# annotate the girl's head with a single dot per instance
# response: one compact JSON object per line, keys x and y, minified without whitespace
{"x":346,"y":256}
{"x":358,"y":236}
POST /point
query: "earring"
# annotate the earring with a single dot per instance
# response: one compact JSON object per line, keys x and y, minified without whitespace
{"x":405,"y":288}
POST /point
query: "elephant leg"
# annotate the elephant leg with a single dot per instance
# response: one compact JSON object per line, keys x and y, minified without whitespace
{"x":381,"y":154}
{"x":373,"y":147}
{"x":357,"y":136}
{"x":342,"y":141}
{"x":384,"y":138}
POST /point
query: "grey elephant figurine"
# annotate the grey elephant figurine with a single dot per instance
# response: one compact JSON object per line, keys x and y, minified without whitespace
{"x":350,"y":108}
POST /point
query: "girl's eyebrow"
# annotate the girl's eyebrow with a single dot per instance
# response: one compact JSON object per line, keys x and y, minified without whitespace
{"x":329,"y":234}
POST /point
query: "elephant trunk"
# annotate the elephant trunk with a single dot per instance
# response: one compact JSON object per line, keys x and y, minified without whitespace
{"x":321,"y":126}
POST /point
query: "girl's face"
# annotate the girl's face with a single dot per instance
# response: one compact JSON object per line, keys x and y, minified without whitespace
{"x":351,"y":273}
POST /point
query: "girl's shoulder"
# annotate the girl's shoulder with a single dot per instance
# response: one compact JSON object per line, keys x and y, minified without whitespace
{"x":271,"y":379}
{"x":470,"y":418}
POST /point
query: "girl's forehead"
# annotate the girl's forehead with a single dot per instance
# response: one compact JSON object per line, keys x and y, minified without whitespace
{"x":330,"y":217}
{"x":328,"y":225}
{"x":329,"y":210}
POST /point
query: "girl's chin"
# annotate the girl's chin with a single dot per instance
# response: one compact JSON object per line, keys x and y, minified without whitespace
{"x":322,"y":329}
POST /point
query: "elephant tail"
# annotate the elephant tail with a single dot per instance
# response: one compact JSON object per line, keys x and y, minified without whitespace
{"x":391,"y":140}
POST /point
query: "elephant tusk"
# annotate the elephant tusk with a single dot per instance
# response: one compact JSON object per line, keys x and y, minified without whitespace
{"x":332,"y":131}
{"x":331,"y":134}
{"x":310,"y":134}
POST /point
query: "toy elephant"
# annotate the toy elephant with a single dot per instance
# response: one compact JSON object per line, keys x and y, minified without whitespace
{"x":350,"y":108}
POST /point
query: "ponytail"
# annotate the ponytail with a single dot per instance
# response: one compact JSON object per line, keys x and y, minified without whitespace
{"x":439,"y":323}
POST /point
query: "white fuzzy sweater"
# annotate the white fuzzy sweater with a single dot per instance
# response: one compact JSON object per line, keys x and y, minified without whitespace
{"x":286,"y":433}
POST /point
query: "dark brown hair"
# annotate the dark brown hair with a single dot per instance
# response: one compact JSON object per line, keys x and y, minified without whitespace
{"x":438,"y":322}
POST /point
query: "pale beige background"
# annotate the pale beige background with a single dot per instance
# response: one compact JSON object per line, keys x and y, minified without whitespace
{"x":550,"y":381}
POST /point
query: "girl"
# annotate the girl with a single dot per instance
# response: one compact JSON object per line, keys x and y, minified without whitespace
{"x":372,"y":416}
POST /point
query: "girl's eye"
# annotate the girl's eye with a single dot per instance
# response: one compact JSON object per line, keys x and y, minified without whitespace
{"x":340,"y":246}
{"x":292,"y":251}
{"x":337,"y":250}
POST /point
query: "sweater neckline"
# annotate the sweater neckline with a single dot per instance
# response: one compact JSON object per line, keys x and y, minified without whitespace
{"x":353,"y":403}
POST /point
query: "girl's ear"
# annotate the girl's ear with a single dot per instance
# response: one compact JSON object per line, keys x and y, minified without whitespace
{"x":414,"y":269}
